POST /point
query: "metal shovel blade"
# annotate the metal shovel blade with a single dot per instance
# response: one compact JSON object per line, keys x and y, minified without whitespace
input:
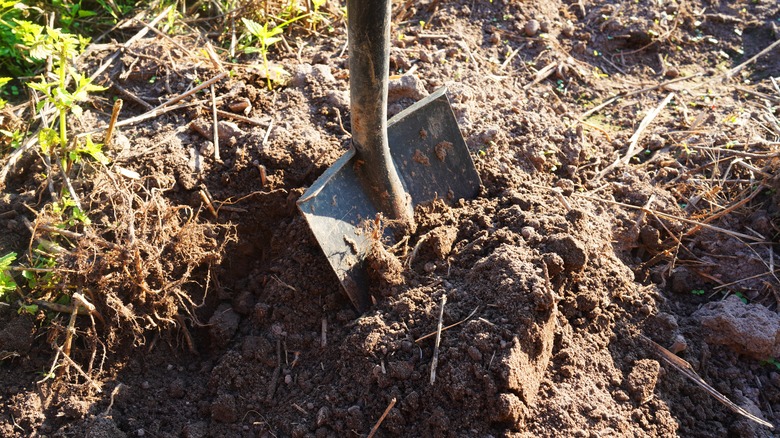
{"x":433,"y":162}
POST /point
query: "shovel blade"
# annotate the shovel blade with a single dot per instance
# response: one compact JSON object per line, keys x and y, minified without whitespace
{"x":433,"y":162}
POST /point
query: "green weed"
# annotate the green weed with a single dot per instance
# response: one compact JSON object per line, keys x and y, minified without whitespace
{"x":7,"y":283}
{"x":772,"y":361}
{"x":266,"y":38}
{"x":64,"y":93}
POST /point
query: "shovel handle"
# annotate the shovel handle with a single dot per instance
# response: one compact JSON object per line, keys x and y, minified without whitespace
{"x":369,"y":62}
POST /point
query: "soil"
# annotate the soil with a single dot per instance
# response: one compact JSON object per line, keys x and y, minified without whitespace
{"x":555,"y":274}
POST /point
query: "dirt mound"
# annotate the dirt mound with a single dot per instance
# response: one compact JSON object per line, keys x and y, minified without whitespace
{"x":579,"y":243}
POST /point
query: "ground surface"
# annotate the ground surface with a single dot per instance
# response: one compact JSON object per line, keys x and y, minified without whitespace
{"x":556,"y":268}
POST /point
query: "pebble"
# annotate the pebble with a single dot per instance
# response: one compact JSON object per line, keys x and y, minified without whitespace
{"x":495,"y":38}
{"x":568,"y":29}
{"x":323,"y":415}
{"x":532,"y":27}
{"x":680,"y":344}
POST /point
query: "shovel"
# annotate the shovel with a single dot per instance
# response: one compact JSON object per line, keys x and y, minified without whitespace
{"x":414,"y":158}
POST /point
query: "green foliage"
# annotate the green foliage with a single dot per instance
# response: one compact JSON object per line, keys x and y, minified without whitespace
{"x":65,"y":92}
{"x":31,"y":309}
{"x":7,"y":283}
{"x":698,"y":292}
{"x":89,"y":148}
{"x":23,"y":30}
{"x":71,"y":214}
{"x":71,"y":13}
{"x":266,"y":38}
{"x":772,"y":361}
{"x":42,"y":277}
{"x":316,"y":15}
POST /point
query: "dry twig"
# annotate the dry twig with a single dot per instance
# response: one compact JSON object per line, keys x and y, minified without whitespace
{"x":435,"y":359}
{"x":634,"y":140}
{"x":686,"y":369}
{"x":422,"y":338}
{"x":382,"y":418}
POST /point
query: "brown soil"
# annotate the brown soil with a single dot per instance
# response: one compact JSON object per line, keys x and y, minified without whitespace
{"x":553,"y":271}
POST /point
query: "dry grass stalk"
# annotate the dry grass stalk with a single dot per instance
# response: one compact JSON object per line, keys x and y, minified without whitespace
{"x":112,"y":124}
{"x":752,"y":59}
{"x":634,"y":140}
{"x":78,"y":369}
{"x":673,"y":217}
{"x":444,"y":329}
{"x":686,"y":369}
{"x":619,"y":96}
{"x":382,"y":418}
{"x":215,"y":121}
{"x":435,"y":360}
{"x":200,"y":87}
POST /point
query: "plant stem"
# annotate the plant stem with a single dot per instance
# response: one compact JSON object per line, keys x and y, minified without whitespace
{"x":264,"y":50}
{"x":63,"y":129}
{"x":63,"y":111}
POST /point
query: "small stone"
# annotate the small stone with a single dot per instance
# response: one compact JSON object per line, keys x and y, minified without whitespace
{"x":495,"y":38}
{"x":145,"y":385}
{"x":260,"y":312}
{"x":323,"y":415}
{"x":241,"y":105}
{"x":474,"y":353}
{"x":568,"y":29}
{"x":679,"y":345}
{"x":544,"y":26}
{"x":642,"y":379}
{"x":176,"y":389}
{"x":672,"y":73}
{"x":243,"y":302}
{"x":355,"y":418}
{"x":532,"y":28}
{"x":621,"y":396}
{"x":223,"y":325}
{"x":224,"y":410}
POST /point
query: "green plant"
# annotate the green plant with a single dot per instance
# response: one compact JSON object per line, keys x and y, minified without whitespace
{"x":41,"y":276}
{"x":31,"y":309}
{"x":71,"y":12}
{"x":13,"y":60}
{"x":698,"y":292}
{"x":316,"y":16}
{"x":7,"y":283}
{"x":64,"y":93}
{"x":266,"y":38}
{"x":772,"y":361}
